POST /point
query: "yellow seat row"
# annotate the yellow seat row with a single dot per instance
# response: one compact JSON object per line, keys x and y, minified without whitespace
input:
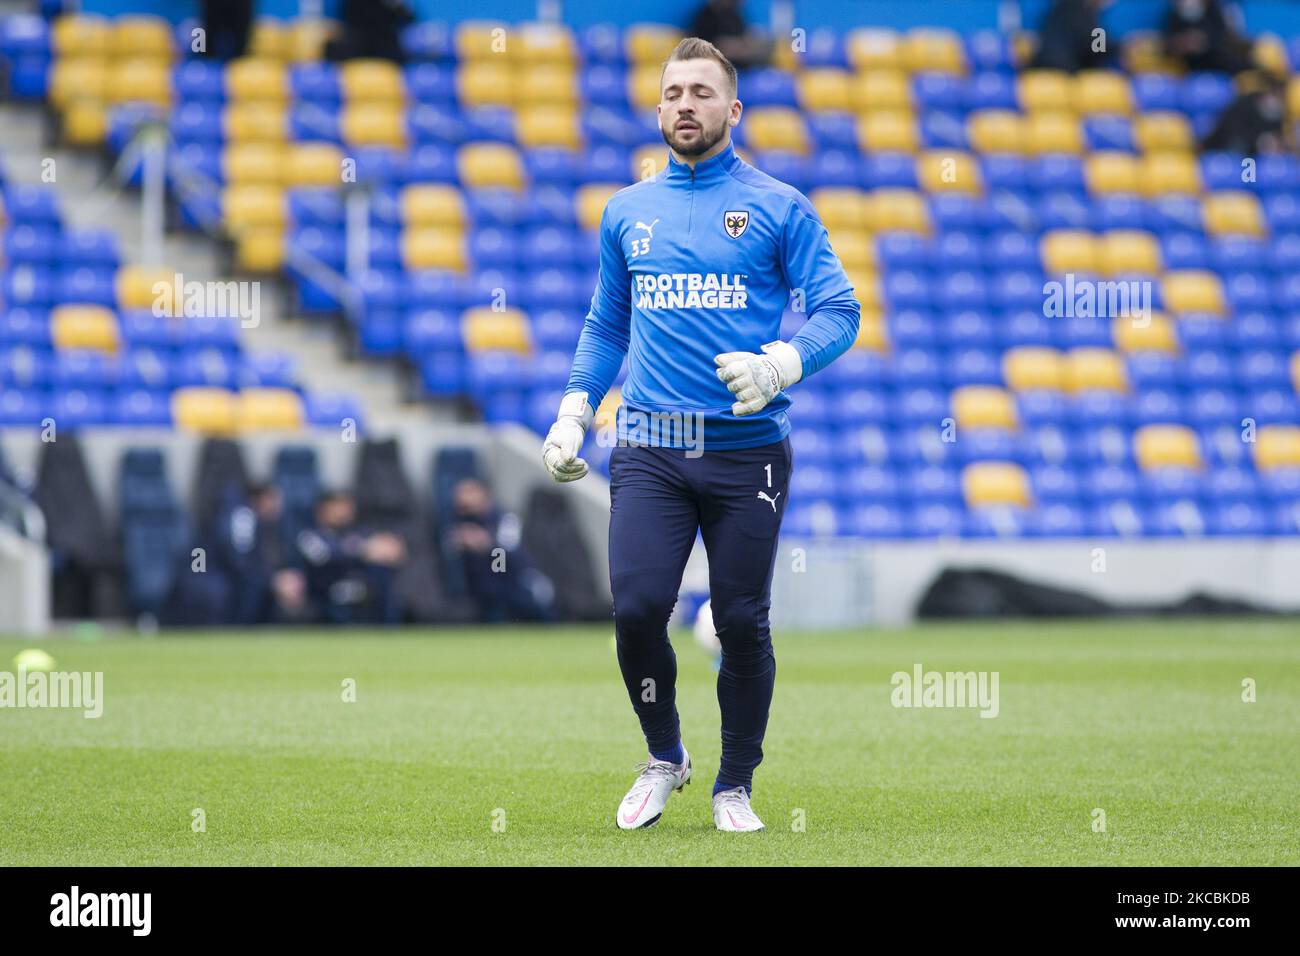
{"x":217,"y":411}
{"x":549,"y":44}
{"x":264,"y":79}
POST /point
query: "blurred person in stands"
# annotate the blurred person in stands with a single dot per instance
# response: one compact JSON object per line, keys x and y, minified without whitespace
{"x":722,"y":24}
{"x":1203,"y":36}
{"x":1255,"y":121}
{"x":1068,"y":38}
{"x":247,"y":548}
{"x":349,"y":572}
{"x":372,"y":29}
{"x":503,"y":581}
{"x":227,"y":24}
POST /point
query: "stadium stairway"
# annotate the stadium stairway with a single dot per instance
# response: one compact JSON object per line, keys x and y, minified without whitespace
{"x":322,"y":362}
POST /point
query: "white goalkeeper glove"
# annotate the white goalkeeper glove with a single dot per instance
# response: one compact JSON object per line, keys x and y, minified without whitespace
{"x":564,"y":440}
{"x":755,"y":379}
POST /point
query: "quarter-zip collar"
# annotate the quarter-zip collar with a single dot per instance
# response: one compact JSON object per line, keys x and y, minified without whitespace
{"x":713,"y":169}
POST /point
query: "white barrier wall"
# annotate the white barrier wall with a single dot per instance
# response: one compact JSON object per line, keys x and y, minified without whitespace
{"x":823,"y":583}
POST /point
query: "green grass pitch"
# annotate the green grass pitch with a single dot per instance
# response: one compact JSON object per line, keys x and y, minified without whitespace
{"x":514,"y":746}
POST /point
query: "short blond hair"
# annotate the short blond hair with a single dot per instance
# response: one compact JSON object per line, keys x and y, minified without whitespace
{"x":693,"y":48}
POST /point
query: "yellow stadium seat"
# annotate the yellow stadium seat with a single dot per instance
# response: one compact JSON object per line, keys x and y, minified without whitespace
{"x":872,"y":335}
{"x":1128,"y":250}
{"x":881,"y":90}
{"x":433,"y":204}
{"x":548,"y":126}
{"x":841,"y":208}
{"x":650,"y":42}
{"x":1271,"y":56}
{"x":1044,"y":91}
{"x":896,"y":210}
{"x":269,"y":409}
{"x":929,"y":50}
{"x":887,"y":132}
{"x":141,"y":36}
{"x":368,"y":81}
{"x":260,"y":250}
{"x":1143,"y":52}
{"x":825,"y":90}
{"x":1032,"y":367}
{"x":606,"y":416}
{"x":649,"y":161}
{"x":1277,"y":446}
{"x":482,"y":40}
{"x":77,"y":79}
{"x":248,"y":79}
{"x":91,"y":327}
{"x":984,"y":406}
{"x":485,"y":330}
{"x":434,"y":247}
{"x":255,"y":122}
{"x":1068,"y":250}
{"x":643,"y":86}
{"x":775,"y":127}
{"x":307,"y":38}
{"x":245,"y":207}
{"x":490,"y":165}
{"x":144,"y":287}
{"x":373,"y":124}
{"x":1163,"y":132}
{"x":1233,"y":213}
{"x":941,"y":171}
{"x":80,"y":35}
{"x":486,"y":83}
{"x":1293,"y":97}
{"x":85,"y":123}
{"x":1152,"y":333}
{"x":544,"y":44}
{"x":1169,"y":173}
{"x":1091,"y":369}
{"x":313,"y":164}
{"x":591,"y":203}
{"x":270,"y":39}
{"x":1110,"y":173}
{"x":996,"y":131}
{"x":871,"y":48}
{"x":210,"y":411}
{"x":866,"y":289}
{"x":986,"y":483}
{"x":1192,"y":290}
{"x":253,"y":163}
{"x":1295,"y":372}
{"x":856,"y":249}
{"x":1022,"y":50}
{"x":547,"y":86}
{"x":1098,"y":92}
{"x":1053,"y":133}
{"x":1166,"y":446}
{"x":140,"y":81}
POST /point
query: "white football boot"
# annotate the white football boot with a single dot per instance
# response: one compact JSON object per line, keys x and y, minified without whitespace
{"x":644,"y":803}
{"x":732,"y":812}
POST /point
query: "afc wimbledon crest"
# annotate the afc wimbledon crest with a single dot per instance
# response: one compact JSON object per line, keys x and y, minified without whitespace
{"x":735,"y":221}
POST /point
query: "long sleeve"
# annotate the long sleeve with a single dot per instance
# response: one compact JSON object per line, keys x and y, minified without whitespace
{"x":606,"y":333}
{"x":811,"y":267}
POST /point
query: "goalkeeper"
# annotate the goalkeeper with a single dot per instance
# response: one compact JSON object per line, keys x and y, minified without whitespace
{"x":696,"y":268}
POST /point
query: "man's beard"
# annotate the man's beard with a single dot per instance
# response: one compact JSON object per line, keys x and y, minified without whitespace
{"x":706,"y":140}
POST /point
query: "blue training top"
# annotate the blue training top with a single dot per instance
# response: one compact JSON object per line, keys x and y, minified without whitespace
{"x":696,"y":262}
